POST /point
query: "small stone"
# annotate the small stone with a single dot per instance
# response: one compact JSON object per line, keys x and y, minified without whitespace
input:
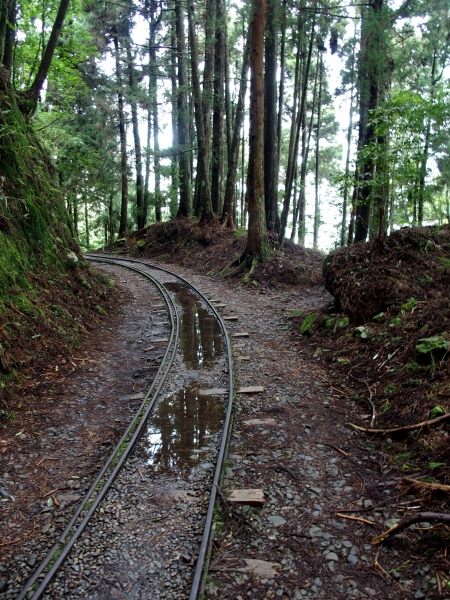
{"x":276,"y":520}
{"x":31,"y":560}
{"x":332,"y":556}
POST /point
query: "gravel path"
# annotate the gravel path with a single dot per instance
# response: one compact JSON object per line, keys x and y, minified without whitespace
{"x":309,"y":465}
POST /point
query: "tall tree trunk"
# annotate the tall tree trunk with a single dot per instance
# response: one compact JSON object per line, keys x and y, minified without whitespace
{"x":270,"y":118}
{"x":426,"y":148}
{"x":137,"y":140}
{"x":156,"y":158}
{"x":184,"y":158}
{"x":10,"y":36}
{"x":174,"y":114}
{"x":257,"y":240}
{"x":202,"y":183}
{"x":75,"y":214}
{"x":86,"y":221}
{"x":369,"y":80}
{"x":123,"y":143}
{"x":217,"y":150}
{"x":147,"y":157}
{"x":295,"y":206}
{"x":281,"y":91}
{"x":111,"y":216}
{"x":32,"y":94}
{"x":208,"y":72}
{"x":153,"y":84}
{"x":306,"y":145}
{"x":4,"y":6}
{"x":233,"y":157}
{"x":349,"y":144}
{"x":243,"y":196}
{"x":293,"y":157}
{"x":317,"y":181}
{"x":228,"y":112}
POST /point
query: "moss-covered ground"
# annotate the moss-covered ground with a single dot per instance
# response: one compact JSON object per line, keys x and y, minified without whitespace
{"x":48,"y":293}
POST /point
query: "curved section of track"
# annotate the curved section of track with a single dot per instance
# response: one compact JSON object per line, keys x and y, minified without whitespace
{"x":116,"y":460}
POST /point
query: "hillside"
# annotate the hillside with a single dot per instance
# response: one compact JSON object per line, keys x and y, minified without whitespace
{"x":49,"y":295}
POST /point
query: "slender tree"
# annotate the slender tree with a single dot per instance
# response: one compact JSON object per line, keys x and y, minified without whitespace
{"x":202,"y":181}
{"x":233,"y":158}
{"x":270,"y":117}
{"x":185,"y":208}
{"x":257,"y":241}
{"x":123,"y":140}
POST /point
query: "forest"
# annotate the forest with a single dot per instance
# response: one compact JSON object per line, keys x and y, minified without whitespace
{"x":146,"y":111}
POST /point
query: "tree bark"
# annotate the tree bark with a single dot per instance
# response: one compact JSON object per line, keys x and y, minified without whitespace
{"x":137,"y":140}
{"x":208,"y":72}
{"x":32,"y":94}
{"x":123,"y":143}
{"x":372,"y":59}
{"x":153,"y":85}
{"x":233,"y":158}
{"x":306,"y":145}
{"x":270,"y":118}
{"x":185,"y":208}
{"x":4,"y":6}
{"x":202,"y":183}
{"x":293,"y":156}
{"x":257,"y":240}
{"x":10,"y":35}
{"x":217,"y":149}
{"x":174,"y":114}
{"x":317,"y":198}
{"x":347,"y":158}
{"x":281,"y":91}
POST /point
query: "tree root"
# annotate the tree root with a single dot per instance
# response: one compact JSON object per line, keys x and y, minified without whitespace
{"x":255,"y":261}
{"x":401,"y":429}
{"x":240,"y":263}
{"x":411,"y":520}
{"x":238,"y":269}
{"x":425,"y":486}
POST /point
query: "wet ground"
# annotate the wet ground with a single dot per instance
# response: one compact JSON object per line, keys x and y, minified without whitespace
{"x":314,"y":472}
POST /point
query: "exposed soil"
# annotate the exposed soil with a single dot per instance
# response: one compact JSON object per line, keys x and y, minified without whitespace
{"x":41,"y":326}
{"x":395,"y":295}
{"x":211,"y":250}
{"x":308,"y":462}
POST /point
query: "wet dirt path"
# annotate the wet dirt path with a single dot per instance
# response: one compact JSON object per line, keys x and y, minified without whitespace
{"x":309,"y":465}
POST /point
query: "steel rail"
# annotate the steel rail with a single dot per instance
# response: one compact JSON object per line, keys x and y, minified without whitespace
{"x":205,"y":544}
{"x":61,"y":548}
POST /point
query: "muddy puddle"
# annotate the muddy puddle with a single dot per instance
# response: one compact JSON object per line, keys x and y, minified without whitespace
{"x":200,"y":342}
{"x":184,"y":427}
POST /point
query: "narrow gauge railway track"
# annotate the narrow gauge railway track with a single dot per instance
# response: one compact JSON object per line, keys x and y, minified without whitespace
{"x":37,"y":584}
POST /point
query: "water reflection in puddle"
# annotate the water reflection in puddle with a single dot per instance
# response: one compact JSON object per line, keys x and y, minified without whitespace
{"x":180,"y":431}
{"x":185,"y":423}
{"x":200,"y":335}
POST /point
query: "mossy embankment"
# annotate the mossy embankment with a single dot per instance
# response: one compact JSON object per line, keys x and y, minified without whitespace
{"x":48,"y":293}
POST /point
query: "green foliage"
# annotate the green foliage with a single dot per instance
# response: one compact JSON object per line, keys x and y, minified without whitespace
{"x":428,"y":349}
{"x":306,"y":328}
{"x":361,"y":332}
{"x":409,"y":305}
{"x":437,"y":411}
